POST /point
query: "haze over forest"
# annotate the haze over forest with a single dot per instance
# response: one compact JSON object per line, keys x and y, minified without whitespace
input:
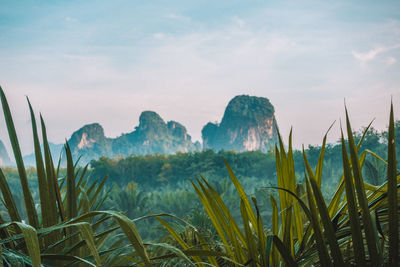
{"x":103,"y":62}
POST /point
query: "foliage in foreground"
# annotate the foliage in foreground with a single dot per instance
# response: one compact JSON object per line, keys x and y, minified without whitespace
{"x":67,"y":228}
{"x":358,"y":227}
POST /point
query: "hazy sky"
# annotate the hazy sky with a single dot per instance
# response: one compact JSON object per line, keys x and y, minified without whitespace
{"x":106,"y":61}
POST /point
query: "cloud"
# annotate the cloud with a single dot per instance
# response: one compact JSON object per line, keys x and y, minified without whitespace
{"x":373,"y":53}
{"x":190,"y":75}
{"x":370,"y":55}
{"x":181,"y":18}
{"x":390,"y":61}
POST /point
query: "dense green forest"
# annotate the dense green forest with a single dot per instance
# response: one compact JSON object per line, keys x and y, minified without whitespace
{"x":333,"y":205}
{"x":140,"y":185}
{"x":156,"y":172}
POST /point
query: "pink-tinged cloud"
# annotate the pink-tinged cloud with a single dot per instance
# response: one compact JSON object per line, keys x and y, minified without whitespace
{"x":373,"y":53}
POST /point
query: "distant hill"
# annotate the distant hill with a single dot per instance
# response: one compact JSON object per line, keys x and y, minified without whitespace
{"x":4,"y":158}
{"x":152,"y":135}
{"x":248,"y":124}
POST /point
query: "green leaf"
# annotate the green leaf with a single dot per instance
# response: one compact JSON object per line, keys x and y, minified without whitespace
{"x":324,"y":214}
{"x":275,"y":230}
{"x":29,"y":204}
{"x":87,"y":234}
{"x":131,"y":232}
{"x":52,"y":181}
{"x":362,"y":199}
{"x":359,"y":252}
{"x":250,"y":241}
{"x":242,"y":194}
{"x":392,"y":194}
{"x":329,"y":230}
{"x":181,"y":242}
{"x":8,"y":198}
{"x":42,"y":179}
{"x":322,"y":249}
{"x":285,"y":252}
{"x":72,"y":210}
{"x":69,"y":258}
{"x":31,"y":241}
{"x":215,"y":217}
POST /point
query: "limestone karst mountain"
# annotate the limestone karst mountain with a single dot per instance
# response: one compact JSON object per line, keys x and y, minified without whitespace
{"x":152,"y":135}
{"x":248,"y":124}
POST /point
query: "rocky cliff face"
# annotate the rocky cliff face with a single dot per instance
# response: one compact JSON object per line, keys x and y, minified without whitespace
{"x":89,"y":142}
{"x":248,"y":124}
{"x":4,"y":158}
{"x":152,"y":135}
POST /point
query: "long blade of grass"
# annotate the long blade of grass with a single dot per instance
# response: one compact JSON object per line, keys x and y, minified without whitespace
{"x":392,"y":194}
{"x":227,"y":223}
{"x":72,"y":210}
{"x":297,"y":222}
{"x":29,"y":204}
{"x":359,"y":252}
{"x":52,"y":181}
{"x":324,"y":214}
{"x":285,"y":252}
{"x":31,"y":241}
{"x":242,"y":194}
{"x":41,"y":176}
{"x":251,"y":243}
{"x":225,"y":211}
{"x":322,"y":249}
{"x":68,"y":258}
{"x":98,"y":190}
{"x":362,"y":200}
{"x":329,"y":230}
{"x":131,"y":232}
{"x":8,"y":198}
{"x":177,"y":237}
{"x":183,"y":254}
{"x":213,"y":218}
{"x":87,"y":234}
{"x":320,"y":163}
{"x":261,"y":237}
{"x":287,"y":235}
{"x":275,"y":230}
{"x":334,"y":204}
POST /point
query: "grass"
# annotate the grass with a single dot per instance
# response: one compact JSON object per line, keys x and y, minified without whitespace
{"x":358,"y":227}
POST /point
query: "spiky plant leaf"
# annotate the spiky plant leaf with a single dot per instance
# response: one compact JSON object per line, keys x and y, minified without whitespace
{"x":361,"y":196}
{"x":29,"y":204}
{"x":392,"y":194}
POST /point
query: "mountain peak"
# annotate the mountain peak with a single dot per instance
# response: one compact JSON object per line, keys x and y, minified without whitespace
{"x":247,"y":108}
{"x":248,"y":124}
{"x":150,"y":116}
{"x":87,"y":136}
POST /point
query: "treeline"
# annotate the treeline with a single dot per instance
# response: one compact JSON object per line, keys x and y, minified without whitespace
{"x":160,"y":171}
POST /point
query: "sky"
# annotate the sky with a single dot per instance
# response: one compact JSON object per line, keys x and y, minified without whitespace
{"x":81,"y":62}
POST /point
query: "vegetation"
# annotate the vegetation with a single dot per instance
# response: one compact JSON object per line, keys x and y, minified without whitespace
{"x":68,"y":224}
